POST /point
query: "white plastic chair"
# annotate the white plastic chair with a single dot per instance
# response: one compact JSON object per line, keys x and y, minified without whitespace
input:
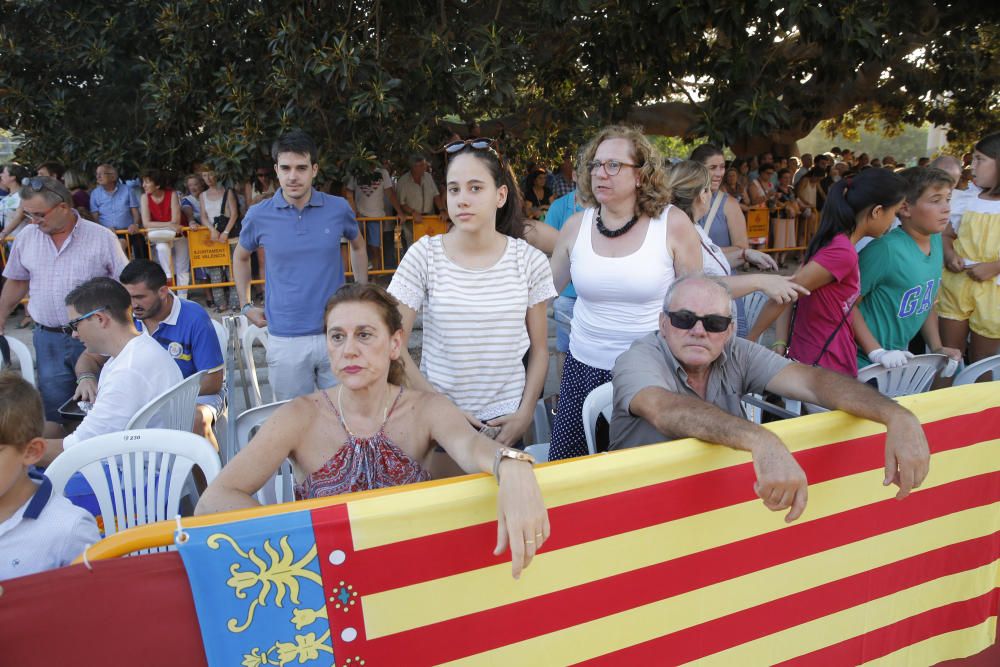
{"x":913,"y":378}
{"x":278,"y":489}
{"x":254,"y":334}
{"x":973,"y":372}
{"x":598,"y":402}
{"x":753,"y":303}
{"x":137,"y":475}
{"x":222,"y":419}
{"x":174,"y":407}
{"x":20,"y":351}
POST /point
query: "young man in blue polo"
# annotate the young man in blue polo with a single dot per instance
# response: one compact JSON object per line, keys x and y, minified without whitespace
{"x":182,"y":328}
{"x":300,"y":229}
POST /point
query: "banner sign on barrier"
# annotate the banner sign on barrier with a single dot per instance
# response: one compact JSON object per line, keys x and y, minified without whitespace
{"x":206,"y":253}
{"x":660,"y":555}
{"x":758,"y":223}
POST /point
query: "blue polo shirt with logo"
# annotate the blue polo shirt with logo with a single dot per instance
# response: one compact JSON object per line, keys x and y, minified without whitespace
{"x":188,"y":336}
{"x":304,"y":266}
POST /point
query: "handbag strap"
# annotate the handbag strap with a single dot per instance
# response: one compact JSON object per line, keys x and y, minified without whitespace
{"x":722,"y":266}
{"x":826,"y":345}
{"x":716,"y":203}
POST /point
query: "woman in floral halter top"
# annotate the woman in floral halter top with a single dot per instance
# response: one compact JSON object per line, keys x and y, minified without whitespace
{"x":369,"y":432}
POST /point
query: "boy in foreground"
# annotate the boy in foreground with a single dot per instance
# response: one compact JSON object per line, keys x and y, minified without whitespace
{"x":901,"y":274}
{"x":38,"y":530}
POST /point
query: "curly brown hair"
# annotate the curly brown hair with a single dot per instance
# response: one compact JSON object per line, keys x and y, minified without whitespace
{"x":653,"y":194}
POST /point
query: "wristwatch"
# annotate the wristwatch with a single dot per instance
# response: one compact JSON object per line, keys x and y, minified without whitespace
{"x":508,"y":453}
{"x":246,"y":307}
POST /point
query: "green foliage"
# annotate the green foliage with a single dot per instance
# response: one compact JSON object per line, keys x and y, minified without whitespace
{"x":906,"y":143}
{"x":170,"y":82}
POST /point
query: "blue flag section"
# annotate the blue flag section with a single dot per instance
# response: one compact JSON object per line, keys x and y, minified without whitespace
{"x":258,"y":591}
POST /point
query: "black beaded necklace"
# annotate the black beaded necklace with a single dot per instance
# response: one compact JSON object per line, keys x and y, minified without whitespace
{"x":614,"y":233}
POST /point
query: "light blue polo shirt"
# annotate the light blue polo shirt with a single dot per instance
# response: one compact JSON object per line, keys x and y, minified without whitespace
{"x":304,"y":266}
{"x":188,"y":336}
{"x":114,"y":208}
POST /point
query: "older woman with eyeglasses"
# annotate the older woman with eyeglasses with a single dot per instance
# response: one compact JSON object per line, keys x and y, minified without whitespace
{"x":483,"y":291}
{"x":622,"y":254}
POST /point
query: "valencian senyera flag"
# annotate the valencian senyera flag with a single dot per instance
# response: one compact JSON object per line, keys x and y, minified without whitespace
{"x":660,"y":555}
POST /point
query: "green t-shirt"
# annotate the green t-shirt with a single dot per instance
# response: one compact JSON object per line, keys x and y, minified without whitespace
{"x":898,"y":286}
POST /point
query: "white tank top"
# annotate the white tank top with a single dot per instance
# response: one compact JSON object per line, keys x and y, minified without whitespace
{"x":619,"y":299}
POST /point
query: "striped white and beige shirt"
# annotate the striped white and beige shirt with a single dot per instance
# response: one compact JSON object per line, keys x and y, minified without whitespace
{"x":474,"y":334}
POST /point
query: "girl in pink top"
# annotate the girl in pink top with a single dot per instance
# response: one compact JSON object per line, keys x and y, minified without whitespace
{"x":821,"y":325}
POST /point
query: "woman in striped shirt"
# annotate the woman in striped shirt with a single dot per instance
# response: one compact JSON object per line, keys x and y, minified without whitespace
{"x":483,"y":291}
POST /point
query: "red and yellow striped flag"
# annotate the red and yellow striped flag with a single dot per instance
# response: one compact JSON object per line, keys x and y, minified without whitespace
{"x":663,"y":555}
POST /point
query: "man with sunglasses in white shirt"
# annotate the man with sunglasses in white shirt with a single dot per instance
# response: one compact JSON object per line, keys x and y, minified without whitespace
{"x":138,"y":368}
{"x":52,"y":255}
{"x":686,"y":379}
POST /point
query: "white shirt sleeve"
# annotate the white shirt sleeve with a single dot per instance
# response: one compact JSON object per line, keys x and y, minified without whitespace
{"x":115,"y":405}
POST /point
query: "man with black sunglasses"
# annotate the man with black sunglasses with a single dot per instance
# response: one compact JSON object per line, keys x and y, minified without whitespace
{"x":56,"y":252}
{"x":686,"y":380}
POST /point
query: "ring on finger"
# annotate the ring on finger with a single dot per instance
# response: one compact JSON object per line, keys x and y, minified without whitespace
{"x":529,"y":541}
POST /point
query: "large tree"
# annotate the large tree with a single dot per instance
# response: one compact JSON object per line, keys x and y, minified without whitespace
{"x":144,"y":82}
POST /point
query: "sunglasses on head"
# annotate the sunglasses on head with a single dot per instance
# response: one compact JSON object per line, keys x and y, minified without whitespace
{"x":685,"y":319}
{"x":476,"y":144}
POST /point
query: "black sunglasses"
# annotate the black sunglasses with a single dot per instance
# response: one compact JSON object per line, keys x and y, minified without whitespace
{"x":685,"y":319}
{"x":73,"y":324}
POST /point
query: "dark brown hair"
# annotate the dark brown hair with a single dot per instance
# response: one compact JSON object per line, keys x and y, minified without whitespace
{"x":387,"y":307}
{"x":21,"y":413}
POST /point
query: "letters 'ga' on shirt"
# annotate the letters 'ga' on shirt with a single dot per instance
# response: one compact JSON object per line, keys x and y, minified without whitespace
{"x":474,"y":333}
{"x":743,"y":367}
{"x":899,"y":284}
{"x":304,"y":265}
{"x":820,"y":313}
{"x":90,"y":251}
{"x":188,"y":336}
{"x":139,"y":373}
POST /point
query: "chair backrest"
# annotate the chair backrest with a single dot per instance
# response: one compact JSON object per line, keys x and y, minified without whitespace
{"x":223,"y":335}
{"x":753,"y":303}
{"x":254,"y":334}
{"x":279,"y":488}
{"x":174,"y":407}
{"x":913,"y":378}
{"x":598,"y":402}
{"x":973,"y":372}
{"x":25,"y":363}
{"x":137,"y":475}
{"x":540,"y":451}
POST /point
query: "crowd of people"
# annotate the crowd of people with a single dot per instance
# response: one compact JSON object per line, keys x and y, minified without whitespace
{"x":644,"y":260}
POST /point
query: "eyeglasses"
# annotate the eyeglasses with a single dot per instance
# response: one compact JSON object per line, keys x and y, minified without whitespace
{"x":611,"y":167}
{"x":685,"y":319}
{"x":38,"y":217}
{"x":73,"y":325}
